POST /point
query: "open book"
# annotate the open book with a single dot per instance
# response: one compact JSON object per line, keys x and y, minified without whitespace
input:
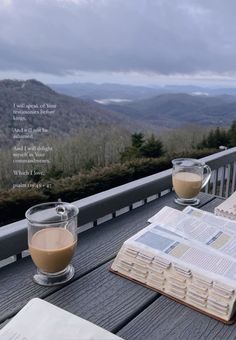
{"x":40,"y":320}
{"x":189,"y":256}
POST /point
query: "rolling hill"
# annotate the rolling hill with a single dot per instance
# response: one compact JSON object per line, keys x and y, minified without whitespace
{"x":71,"y":113}
{"x":158,"y":108}
{"x":161,"y":112}
{"x":90,"y":91}
{"x":176,"y":110}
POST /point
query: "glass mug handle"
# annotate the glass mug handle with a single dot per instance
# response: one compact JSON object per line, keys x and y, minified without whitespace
{"x":207,"y":175}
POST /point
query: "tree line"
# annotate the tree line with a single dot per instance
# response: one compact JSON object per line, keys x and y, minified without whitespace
{"x":220,"y":137}
{"x":94,"y":148}
{"x":153,"y":147}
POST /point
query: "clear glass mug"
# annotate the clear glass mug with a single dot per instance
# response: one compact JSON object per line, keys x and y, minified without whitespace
{"x":189,"y":176}
{"x":52,"y":240}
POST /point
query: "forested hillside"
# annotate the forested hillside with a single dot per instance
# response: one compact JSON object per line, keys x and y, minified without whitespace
{"x":175,"y":110}
{"x":70,"y":115}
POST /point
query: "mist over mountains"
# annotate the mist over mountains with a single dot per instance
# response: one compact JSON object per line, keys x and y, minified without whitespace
{"x":143,"y":110}
{"x":176,"y":110}
{"x":71,"y":113}
{"x":92,"y":91}
{"x":166,"y":107}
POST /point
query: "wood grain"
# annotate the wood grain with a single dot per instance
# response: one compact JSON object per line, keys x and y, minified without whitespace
{"x":166,"y":319}
{"x":95,"y":247}
{"x":104,"y":298}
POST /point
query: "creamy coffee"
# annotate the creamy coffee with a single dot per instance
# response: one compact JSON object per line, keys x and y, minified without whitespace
{"x":187,"y":184}
{"x":52,"y":249}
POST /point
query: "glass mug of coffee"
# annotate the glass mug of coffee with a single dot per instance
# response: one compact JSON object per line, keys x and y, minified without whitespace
{"x":189,"y":176}
{"x":52,"y":240}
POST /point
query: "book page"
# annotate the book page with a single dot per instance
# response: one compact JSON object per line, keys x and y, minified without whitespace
{"x":191,"y":227}
{"x":185,"y":252}
{"x":40,"y":320}
{"x":223,"y":223}
{"x":186,"y":258}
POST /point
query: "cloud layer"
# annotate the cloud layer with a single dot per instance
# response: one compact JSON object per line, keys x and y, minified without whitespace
{"x":157,"y":36}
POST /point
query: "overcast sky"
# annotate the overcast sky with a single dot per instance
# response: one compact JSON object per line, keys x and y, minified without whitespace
{"x":132,"y":41}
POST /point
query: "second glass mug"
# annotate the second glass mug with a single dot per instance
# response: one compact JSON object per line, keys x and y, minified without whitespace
{"x":189,"y":176}
{"x":52,"y":240}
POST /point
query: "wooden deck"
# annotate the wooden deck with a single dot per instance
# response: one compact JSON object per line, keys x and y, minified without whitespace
{"x":119,"y":305}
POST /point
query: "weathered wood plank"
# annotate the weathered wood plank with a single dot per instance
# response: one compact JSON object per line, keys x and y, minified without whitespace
{"x":209,"y":206}
{"x":95,"y":247}
{"x":166,"y":319}
{"x":104,"y":298}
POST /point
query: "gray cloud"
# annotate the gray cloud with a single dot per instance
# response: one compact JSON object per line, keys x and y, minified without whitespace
{"x":160,"y":36}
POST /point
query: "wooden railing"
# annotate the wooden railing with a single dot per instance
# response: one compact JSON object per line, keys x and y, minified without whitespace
{"x":223,"y":178}
{"x":93,"y":210}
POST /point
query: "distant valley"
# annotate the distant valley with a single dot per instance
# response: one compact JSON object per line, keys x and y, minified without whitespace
{"x":130,"y":108}
{"x":161,"y":107}
{"x":91,"y":91}
{"x":71,"y":113}
{"x":176,"y":110}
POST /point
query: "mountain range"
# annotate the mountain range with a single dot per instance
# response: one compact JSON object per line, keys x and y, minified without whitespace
{"x":161,"y":107}
{"x":90,"y":91}
{"x":71,"y":113}
{"x":176,"y":110}
{"x":149,"y":114}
